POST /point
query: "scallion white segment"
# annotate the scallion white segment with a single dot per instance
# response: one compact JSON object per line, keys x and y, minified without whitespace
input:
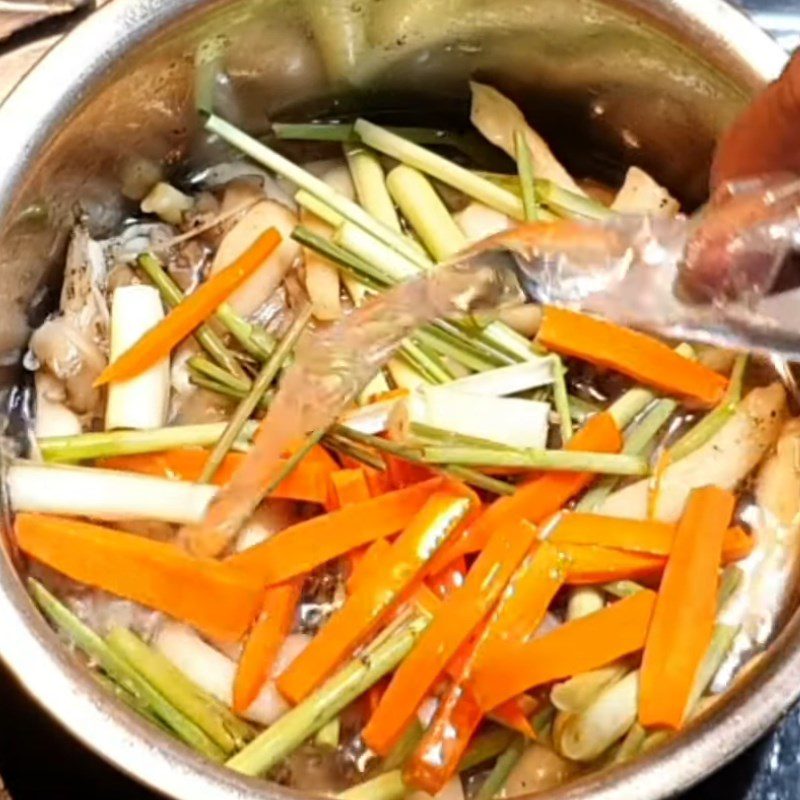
{"x":440,"y":168}
{"x":140,"y":403}
{"x":508,"y":380}
{"x":507,"y":421}
{"x":106,"y":494}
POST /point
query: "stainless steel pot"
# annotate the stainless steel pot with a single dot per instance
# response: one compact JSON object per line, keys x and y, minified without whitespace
{"x":608,"y":81}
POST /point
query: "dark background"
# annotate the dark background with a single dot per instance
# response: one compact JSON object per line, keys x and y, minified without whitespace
{"x":38,"y":761}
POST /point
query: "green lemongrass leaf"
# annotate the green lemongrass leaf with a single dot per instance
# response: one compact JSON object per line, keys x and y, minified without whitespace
{"x":501,"y":771}
{"x":370,"y":185}
{"x":561,"y":400}
{"x":526,"y":177}
{"x":207,"y":369}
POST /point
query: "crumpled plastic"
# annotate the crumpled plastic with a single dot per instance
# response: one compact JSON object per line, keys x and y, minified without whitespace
{"x":707,"y":278}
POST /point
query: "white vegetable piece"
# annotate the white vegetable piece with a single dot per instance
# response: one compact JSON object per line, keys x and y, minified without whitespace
{"x":498,"y":119}
{"x":539,"y":769}
{"x":106,"y":494}
{"x":477,"y":222}
{"x":640,"y":194}
{"x":453,"y":790}
{"x":53,"y":418}
{"x":590,"y":733}
{"x":723,"y":461}
{"x":140,"y":403}
{"x":322,"y":276}
{"x":372,"y":418}
{"x":508,"y":380}
{"x":579,"y":692}
{"x":507,"y":421}
{"x":266,"y":279}
{"x":167,"y":202}
{"x":215,"y":673}
{"x":404,"y":376}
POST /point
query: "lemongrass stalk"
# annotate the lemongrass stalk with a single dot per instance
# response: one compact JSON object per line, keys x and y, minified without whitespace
{"x":253,"y":338}
{"x":577,"y":693}
{"x":437,"y":360}
{"x":526,"y":177}
{"x":202,"y":366}
{"x":570,"y":204}
{"x":249,"y":404}
{"x":355,"y":266}
{"x":329,"y":736}
{"x":120,"y":671}
{"x":291,"y":463}
{"x":421,"y":360}
{"x":388,"y":786}
{"x":172,"y":296}
{"x":718,"y":649}
{"x":405,"y":746}
{"x":470,"y":339}
{"x":497,"y":778}
{"x":485,"y":747}
{"x":394,"y":265}
{"x":631,"y":745}
{"x":105,"y":494}
{"x":130,"y":700}
{"x":467,"y":475}
{"x":319,"y":708}
{"x":470,"y":144}
{"x":432,"y":337}
{"x":563,"y":460}
{"x":319,"y":208}
{"x":715,"y":419}
{"x":347,"y":448}
{"x":561,"y":400}
{"x":85,"y":446}
{"x":305,"y":180}
{"x":425,"y":212}
{"x":637,"y":441}
{"x":440,"y":168}
{"x":218,"y":388}
{"x":370,"y":184}
{"x":217,"y":722}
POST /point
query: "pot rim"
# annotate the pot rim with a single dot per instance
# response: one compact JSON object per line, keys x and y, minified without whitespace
{"x":49,"y":673}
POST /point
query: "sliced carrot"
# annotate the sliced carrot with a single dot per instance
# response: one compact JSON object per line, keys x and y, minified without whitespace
{"x":365,"y":608}
{"x":264,"y":642}
{"x":404,"y":473}
{"x":446,"y":581}
{"x":371,"y":559}
{"x":543,"y":496}
{"x":190,"y":313}
{"x":347,"y":486}
{"x":639,"y":536}
{"x":459,"y":615}
{"x":634,"y":354}
{"x":578,"y":646}
{"x":685,"y":610}
{"x":587,"y":563}
{"x":308,"y":482}
{"x":515,"y":714}
{"x":302,"y":547}
{"x":220,"y":601}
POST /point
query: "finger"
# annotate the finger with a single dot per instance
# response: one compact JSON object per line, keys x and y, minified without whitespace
{"x":766,"y":137}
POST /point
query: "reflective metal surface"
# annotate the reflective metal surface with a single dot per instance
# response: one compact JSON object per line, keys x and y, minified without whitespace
{"x":648,"y":81}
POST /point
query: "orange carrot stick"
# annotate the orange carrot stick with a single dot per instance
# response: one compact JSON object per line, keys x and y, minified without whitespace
{"x":190,"y":313}
{"x":458,"y":617}
{"x":634,"y":354}
{"x":578,"y":646}
{"x":587,"y":563}
{"x":373,"y":556}
{"x":347,"y":486}
{"x":302,"y":547}
{"x":445,"y":582}
{"x":308,"y":482}
{"x":638,"y":536}
{"x":264,"y":642}
{"x":543,"y":496}
{"x":365,"y":608}
{"x":685,"y":610}
{"x":218,"y":600}
{"x":531,"y":590}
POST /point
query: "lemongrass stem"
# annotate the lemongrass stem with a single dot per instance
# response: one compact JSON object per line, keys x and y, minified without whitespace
{"x":370,"y":184}
{"x":85,"y":446}
{"x":485,"y":747}
{"x":119,"y":670}
{"x":249,"y":404}
{"x":425,"y":212}
{"x":306,"y":718}
{"x":216,"y":721}
{"x":305,"y":180}
{"x":208,"y":369}
{"x":631,"y":745}
{"x":318,"y":208}
{"x":623,"y":589}
{"x":393,"y":264}
{"x":388,"y":786}
{"x":716,"y":419}
{"x":253,"y":338}
{"x":405,"y":746}
{"x":422,"y":360}
{"x":561,"y":400}
{"x":505,"y":763}
{"x":329,"y":735}
{"x":203,"y":382}
{"x":432,"y":338}
{"x":440,"y":168}
{"x":347,"y":448}
{"x":172,"y":296}
{"x":563,"y":460}
{"x":462,"y":473}
{"x":526,"y":177}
